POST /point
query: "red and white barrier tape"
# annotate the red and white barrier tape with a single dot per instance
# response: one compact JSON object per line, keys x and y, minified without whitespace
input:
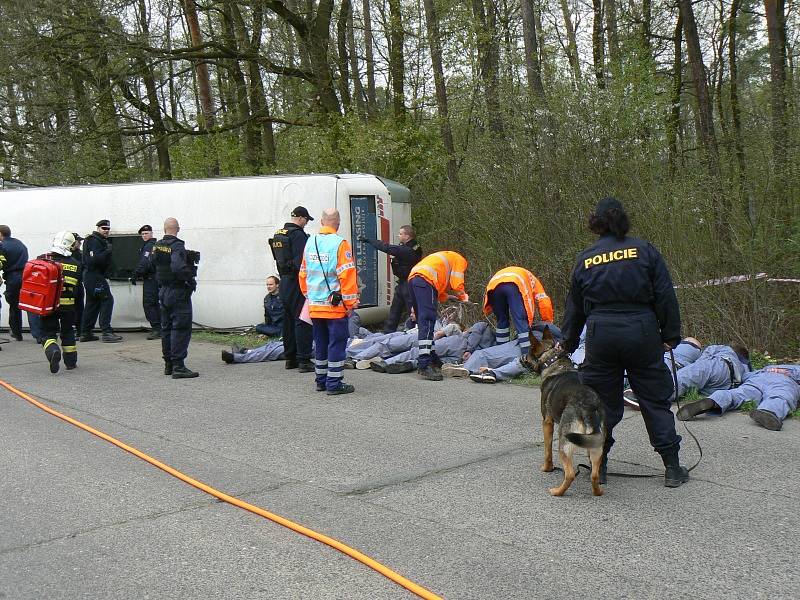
{"x":735,"y":279}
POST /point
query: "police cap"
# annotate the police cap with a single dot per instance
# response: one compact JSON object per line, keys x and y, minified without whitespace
{"x":301,"y":211}
{"x":144,"y":228}
{"x":103,"y":223}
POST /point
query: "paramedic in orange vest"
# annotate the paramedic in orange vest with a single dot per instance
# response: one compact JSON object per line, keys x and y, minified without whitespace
{"x":328,"y":280}
{"x":516,"y":292}
{"x":429,"y":282}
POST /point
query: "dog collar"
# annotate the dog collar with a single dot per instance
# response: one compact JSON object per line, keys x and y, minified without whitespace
{"x":552,"y":360}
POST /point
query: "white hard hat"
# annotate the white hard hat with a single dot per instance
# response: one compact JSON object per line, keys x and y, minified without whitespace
{"x":62,"y":243}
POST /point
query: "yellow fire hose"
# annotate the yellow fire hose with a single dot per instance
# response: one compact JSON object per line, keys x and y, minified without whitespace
{"x":333,"y":543}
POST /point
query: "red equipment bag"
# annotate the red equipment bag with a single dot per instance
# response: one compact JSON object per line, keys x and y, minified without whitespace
{"x":42,"y":282}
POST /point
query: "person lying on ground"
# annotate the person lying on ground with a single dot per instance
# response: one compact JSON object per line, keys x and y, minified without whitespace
{"x":686,"y":353}
{"x":775,"y":390}
{"x":448,"y":348}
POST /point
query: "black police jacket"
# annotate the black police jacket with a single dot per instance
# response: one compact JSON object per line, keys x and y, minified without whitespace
{"x":97,"y":255}
{"x":297,"y":243}
{"x":145,"y":269}
{"x":627,"y":274}
{"x":172,"y":265}
{"x":404,"y":256}
{"x":13,"y":256}
{"x":273,"y":309}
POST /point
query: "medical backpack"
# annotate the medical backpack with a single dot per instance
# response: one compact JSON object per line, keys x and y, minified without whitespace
{"x":42,"y":282}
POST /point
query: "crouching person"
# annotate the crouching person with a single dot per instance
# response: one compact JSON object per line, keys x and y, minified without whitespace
{"x":328,"y":279}
{"x":62,"y":321}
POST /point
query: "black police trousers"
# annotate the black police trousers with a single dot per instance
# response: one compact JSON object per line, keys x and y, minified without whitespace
{"x":61,"y":322}
{"x":297,"y":334}
{"x":152,"y":312}
{"x":617,"y":342}
{"x":175,"y":302}
{"x":99,"y":302}
{"x":401,"y":305}
{"x":13,"y":287}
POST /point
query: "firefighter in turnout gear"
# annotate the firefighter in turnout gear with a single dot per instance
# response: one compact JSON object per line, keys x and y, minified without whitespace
{"x":621,"y":289}
{"x":62,"y":321}
{"x":175,"y":268}
{"x":404,"y":255}
{"x":287,"y":247}
{"x":147,"y":273}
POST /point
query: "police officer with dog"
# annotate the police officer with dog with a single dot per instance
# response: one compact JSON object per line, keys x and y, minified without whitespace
{"x":287,"y":247}
{"x":176,"y":269}
{"x":146,"y":272}
{"x":621,"y":289}
{"x":404,"y":255}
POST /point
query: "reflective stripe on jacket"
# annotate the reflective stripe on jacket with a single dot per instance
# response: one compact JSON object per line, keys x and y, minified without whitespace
{"x":443,"y":270}
{"x":335,"y":263}
{"x":533,"y":294}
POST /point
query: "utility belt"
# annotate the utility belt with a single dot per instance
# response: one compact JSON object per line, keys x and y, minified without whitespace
{"x":620,"y":306}
{"x":735,"y":381}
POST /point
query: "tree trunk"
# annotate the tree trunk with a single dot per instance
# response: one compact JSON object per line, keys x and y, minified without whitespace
{"x":674,"y":117}
{"x":372,"y":102}
{"x":533,"y":67}
{"x":344,"y":61}
{"x":776,"y":34}
{"x":434,"y":41}
{"x":613,"y":35}
{"x":572,"y":43}
{"x":750,"y":207}
{"x":358,"y":89}
{"x":705,"y":112}
{"x":488,"y":60}
{"x":598,"y":44}
{"x":396,"y":60}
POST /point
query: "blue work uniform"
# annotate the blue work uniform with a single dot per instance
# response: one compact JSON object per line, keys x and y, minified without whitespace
{"x":775,"y":388}
{"x":717,"y":368}
{"x":622,"y":291}
{"x":273,"y":316}
{"x":13,"y":256}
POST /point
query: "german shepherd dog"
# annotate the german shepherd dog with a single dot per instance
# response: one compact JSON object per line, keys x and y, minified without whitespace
{"x":576,"y":407}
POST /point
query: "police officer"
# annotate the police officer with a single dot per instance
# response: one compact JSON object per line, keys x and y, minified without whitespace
{"x":146,"y":271}
{"x":621,"y":289}
{"x":404,"y":256}
{"x":13,"y":256}
{"x":175,"y":272}
{"x":96,"y":268}
{"x":287,"y":246}
{"x":77,"y":254}
{"x":62,"y":321}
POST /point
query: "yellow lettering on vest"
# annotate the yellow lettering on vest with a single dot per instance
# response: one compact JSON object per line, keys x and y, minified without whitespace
{"x":618,"y":254}
{"x":608,"y":257}
{"x":596,"y":260}
{"x":69,"y":267}
{"x":633,"y":253}
{"x":587,"y":263}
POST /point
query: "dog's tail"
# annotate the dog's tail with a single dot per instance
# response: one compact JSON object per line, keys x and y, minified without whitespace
{"x":586,"y":440}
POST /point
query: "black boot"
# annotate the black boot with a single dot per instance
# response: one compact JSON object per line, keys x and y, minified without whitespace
{"x":687,"y":412}
{"x":179,"y":371}
{"x":305,"y":366}
{"x":167,"y":367}
{"x":53,"y":354}
{"x":155,"y":334}
{"x":674,"y":474}
{"x":291,"y":363}
{"x":430,"y":373}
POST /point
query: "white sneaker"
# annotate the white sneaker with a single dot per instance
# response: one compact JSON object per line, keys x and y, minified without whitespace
{"x":630,"y":400}
{"x":484,"y":377}
{"x":450,"y":370}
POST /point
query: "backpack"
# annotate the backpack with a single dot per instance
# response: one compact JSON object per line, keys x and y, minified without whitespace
{"x":42,"y":283}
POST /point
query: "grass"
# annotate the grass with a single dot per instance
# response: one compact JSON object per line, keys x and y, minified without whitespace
{"x":527,"y":380}
{"x":248,"y":340}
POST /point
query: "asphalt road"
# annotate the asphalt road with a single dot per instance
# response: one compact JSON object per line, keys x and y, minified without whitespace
{"x":439,"y":481}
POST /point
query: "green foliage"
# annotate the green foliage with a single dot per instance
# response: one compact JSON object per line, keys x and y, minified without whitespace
{"x":759,"y":359}
{"x":246,"y":340}
{"x":527,"y":380}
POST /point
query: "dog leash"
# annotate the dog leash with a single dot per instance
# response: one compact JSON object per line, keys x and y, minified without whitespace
{"x":678,"y":403}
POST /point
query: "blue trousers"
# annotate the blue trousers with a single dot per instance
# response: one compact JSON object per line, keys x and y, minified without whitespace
{"x":13,"y":287}
{"x":176,"y":322}
{"x":506,"y":301}
{"x":330,"y":342}
{"x":502,"y":360}
{"x":152,"y":312}
{"x":267,"y":352}
{"x":774,"y":392}
{"x":426,"y":302}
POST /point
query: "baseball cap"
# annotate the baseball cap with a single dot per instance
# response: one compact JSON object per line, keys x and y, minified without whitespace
{"x":606,"y":204}
{"x":301,"y":211}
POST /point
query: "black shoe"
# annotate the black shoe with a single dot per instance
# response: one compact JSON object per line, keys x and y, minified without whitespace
{"x":379,"y":366}
{"x":167,"y":368}
{"x":766,"y":419}
{"x":349,"y":363}
{"x":89,"y":337}
{"x":54,"y":356}
{"x":155,"y":334}
{"x":17,"y":337}
{"x":227,"y":357}
{"x":321,"y":387}
{"x":70,"y":367}
{"x":238,"y":349}
{"x":687,"y":412}
{"x":181,"y":372}
{"x":305,"y":366}
{"x":110,"y":338}
{"x":345,"y":388}
{"x":291,"y":363}
{"x":675,"y":476}
{"x":430,"y":374}
{"x":401,"y":367}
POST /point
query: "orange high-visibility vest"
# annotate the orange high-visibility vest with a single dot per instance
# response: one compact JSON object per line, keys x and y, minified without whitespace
{"x":327,"y":266}
{"x":533,"y":294}
{"x":443,"y":270}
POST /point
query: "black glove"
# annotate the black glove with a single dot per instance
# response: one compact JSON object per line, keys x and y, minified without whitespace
{"x":363,"y":240}
{"x":132,"y":280}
